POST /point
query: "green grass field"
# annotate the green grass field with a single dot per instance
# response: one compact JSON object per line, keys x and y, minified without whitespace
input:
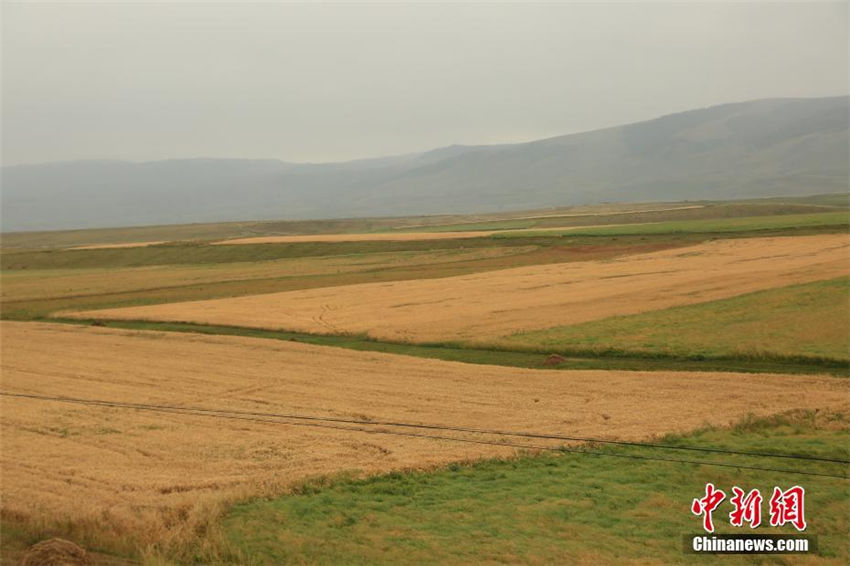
{"x":655,"y":213}
{"x":707,"y":226}
{"x":552,"y":508}
{"x":807,"y":320}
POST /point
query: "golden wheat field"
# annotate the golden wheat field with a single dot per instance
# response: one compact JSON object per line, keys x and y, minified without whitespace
{"x":147,"y":476}
{"x":485,"y":306}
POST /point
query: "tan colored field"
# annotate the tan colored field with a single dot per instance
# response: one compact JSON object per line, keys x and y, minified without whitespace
{"x":370,"y":237}
{"x":41,"y":283}
{"x":374,"y":237}
{"x":485,"y":306}
{"x":121,"y":245}
{"x":147,"y":476}
{"x":391,"y":236}
{"x":611,"y":209}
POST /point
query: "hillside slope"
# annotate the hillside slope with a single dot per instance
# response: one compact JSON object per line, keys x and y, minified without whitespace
{"x":749,"y":149}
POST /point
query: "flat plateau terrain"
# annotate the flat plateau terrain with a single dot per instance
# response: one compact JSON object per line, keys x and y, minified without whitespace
{"x":141,"y":473}
{"x":483,"y":307}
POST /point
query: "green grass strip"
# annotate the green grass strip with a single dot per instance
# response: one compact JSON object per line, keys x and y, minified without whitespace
{"x":505,"y":357}
{"x":708,"y":226}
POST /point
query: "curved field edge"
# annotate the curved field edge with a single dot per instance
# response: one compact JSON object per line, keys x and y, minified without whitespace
{"x":543,"y":508}
{"x":115,"y":295}
{"x":531,"y":507}
{"x":802,"y":320}
{"x":31,"y":285}
{"x":534,"y":358}
{"x":545,"y":251}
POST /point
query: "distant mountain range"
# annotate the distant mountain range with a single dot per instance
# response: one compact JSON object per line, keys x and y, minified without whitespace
{"x":751,"y":149}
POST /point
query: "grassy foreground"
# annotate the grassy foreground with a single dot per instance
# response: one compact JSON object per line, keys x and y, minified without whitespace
{"x":802,"y":320}
{"x":551,"y":508}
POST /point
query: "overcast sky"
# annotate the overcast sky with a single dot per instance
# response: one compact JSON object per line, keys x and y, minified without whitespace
{"x":325,"y":82}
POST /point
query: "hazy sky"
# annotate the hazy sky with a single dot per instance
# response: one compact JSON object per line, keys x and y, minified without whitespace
{"x":324,"y":82}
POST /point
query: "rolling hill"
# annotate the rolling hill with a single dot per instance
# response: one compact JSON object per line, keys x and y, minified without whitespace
{"x":740,"y":150}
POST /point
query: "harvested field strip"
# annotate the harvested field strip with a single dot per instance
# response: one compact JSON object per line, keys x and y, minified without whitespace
{"x":798,"y":320}
{"x":517,"y":228}
{"x":528,"y":357}
{"x":554,"y":509}
{"x":373,"y":237}
{"x":160,"y":477}
{"x":482,"y":307}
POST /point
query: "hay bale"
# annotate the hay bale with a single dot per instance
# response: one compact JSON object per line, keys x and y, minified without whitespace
{"x":56,"y":552}
{"x":554,"y":360}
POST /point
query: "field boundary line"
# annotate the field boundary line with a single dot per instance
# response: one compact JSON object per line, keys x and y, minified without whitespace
{"x":322,"y":422}
{"x":783,"y":364}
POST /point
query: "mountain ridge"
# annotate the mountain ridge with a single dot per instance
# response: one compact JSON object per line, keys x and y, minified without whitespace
{"x":769,"y":147}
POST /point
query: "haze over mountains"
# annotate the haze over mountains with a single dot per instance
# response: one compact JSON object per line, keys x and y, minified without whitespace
{"x":741,"y":150}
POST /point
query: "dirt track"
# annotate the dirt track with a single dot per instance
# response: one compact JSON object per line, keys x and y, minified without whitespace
{"x":133,"y":469}
{"x":484,"y":306}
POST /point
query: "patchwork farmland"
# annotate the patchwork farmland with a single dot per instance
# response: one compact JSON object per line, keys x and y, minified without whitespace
{"x":187,"y":401}
{"x":486,"y":306}
{"x":127,"y":460}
